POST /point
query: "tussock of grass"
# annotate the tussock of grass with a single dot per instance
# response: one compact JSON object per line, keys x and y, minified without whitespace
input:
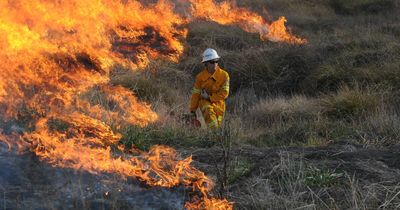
{"x":316,"y":178}
{"x":381,"y":129}
{"x":177,"y":136}
{"x":271,"y":110}
{"x":350,"y":103}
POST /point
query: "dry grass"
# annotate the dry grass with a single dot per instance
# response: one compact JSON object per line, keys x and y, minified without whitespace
{"x":272,"y":110}
{"x":365,"y":116}
{"x":351,"y":103}
{"x":381,"y":129}
{"x":286,"y":186}
{"x":342,"y":86}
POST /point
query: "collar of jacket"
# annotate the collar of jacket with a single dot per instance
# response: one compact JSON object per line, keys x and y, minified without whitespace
{"x":213,"y":75}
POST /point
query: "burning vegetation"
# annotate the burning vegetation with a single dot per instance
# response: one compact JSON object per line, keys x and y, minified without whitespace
{"x":55,"y":54}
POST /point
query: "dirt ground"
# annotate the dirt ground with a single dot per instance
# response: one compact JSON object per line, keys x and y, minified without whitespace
{"x":27,"y":183}
{"x":367,"y":164}
{"x":338,"y":176}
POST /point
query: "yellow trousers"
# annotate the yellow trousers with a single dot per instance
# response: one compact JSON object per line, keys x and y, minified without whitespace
{"x":213,"y":113}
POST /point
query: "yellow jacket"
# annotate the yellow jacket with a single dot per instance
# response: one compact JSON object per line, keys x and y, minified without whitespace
{"x":217,"y":87}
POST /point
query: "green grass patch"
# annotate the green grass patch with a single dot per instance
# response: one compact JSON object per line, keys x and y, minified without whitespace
{"x":318,"y":178}
{"x":240,"y":168}
{"x":175,"y":136}
{"x":306,"y":133}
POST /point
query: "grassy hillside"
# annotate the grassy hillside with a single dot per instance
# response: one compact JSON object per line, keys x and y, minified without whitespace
{"x":345,"y":79}
{"x":343,"y":86}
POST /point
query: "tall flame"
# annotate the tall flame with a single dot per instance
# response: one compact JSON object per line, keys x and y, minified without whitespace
{"x":54,"y":81}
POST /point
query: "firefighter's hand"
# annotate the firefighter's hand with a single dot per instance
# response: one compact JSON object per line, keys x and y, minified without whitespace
{"x":204,"y":94}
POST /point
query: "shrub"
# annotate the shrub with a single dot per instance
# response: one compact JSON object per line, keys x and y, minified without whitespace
{"x":350,"y":103}
{"x":240,"y":168}
{"x":381,"y":129}
{"x":277,"y":110}
{"x":315,"y":177}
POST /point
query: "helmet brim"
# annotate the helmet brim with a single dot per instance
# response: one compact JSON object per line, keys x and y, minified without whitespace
{"x":214,"y":59}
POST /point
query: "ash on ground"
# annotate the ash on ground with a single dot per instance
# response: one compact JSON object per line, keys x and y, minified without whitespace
{"x":28,"y":183}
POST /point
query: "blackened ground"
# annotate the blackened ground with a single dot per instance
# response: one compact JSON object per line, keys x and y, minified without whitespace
{"x":27,"y":183}
{"x":371,"y":165}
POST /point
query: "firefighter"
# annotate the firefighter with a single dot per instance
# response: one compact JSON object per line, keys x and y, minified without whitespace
{"x":210,"y":90}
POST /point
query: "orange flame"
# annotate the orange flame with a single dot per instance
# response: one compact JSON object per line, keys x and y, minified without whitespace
{"x":4,"y":139}
{"x":54,"y":80}
{"x":86,"y":144}
{"x":210,"y":204}
{"x":227,"y":13}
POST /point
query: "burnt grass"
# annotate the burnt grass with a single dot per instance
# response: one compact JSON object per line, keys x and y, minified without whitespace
{"x":28,"y":183}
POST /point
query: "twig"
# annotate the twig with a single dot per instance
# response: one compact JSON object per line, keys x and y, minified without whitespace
{"x":306,"y":206}
{"x":219,"y":173}
{"x":388,"y":202}
{"x":313,"y":193}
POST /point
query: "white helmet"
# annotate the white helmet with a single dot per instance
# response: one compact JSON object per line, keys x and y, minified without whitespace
{"x":210,"y":54}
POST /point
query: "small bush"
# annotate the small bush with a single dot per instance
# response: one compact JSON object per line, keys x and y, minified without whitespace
{"x":350,"y":103}
{"x":318,"y":178}
{"x":240,"y":168}
{"x":328,"y":78}
{"x":381,"y":129}
{"x":276,"y":110}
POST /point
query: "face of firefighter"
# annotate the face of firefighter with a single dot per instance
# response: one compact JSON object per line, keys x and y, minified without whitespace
{"x":211,"y":66}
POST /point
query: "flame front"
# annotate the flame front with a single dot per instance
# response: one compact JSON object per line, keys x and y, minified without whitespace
{"x":56,"y":60}
{"x":227,"y":13}
{"x":87,"y":145}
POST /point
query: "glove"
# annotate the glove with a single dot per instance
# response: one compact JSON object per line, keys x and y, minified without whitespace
{"x":204,"y":94}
